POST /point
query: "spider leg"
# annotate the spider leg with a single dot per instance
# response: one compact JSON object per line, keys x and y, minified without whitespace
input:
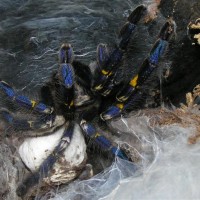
{"x":150,"y":63}
{"x":98,"y":139}
{"x":131,"y":94}
{"x":42,"y":122}
{"x":30,"y":125}
{"x":66,"y":54}
{"x":119,"y":108}
{"x":63,"y":82}
{"x":66,"y":83}
{"x":47,"y":165}
{"x":128,"y":28}
{"x":24,"y":101}
{"x":108,"y":60}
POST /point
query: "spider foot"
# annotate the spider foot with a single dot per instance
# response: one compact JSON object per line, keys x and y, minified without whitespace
{"x":87,"y":172}
{"x":66,"y":54}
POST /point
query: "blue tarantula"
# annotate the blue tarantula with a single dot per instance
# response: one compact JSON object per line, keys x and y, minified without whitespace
{"x":70,"y":102}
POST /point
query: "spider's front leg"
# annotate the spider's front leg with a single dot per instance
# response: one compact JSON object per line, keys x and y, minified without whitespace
{"x":64,"y":82}
{"x":97,"y":139}
{"x":23,"y":101}
{"x":64,"y":162}
{"x":109,"y":58}
{"x":21,"y":123}
{"x":47,"y":164}
{"x":41,"y":117}
{"x":131,"y":93}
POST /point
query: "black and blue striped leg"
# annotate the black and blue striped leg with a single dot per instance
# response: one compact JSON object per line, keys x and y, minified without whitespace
{"x":129,"y":27}
{"x":48,"y":163}
{"x":100,"y":140}
{"x":41,"y":122}
{"x":150,"y":63}
{"x":24,"y":101}
{"x":118,"y":108}
{"x":64,"y":82}
{"x":108,"y":59}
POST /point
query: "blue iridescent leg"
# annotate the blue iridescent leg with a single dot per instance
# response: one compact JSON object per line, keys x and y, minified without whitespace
{"x":108,"y":59}
{"x":128,"y":28}
{"x":48,"y":163}
{"x":40,"y":123}
{"x":24,"y":101}
{"x":64,"y":81}
{"x":100,"y":140}
{"x":66,"y":54}
{"x":150,"y":63}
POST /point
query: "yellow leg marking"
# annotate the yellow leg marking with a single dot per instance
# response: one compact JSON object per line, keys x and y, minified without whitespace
{"x":120,"y":105}
{"x":133,"y":82}
{"x":72,"y":103}
{"x":104,"y":72}
{"x":97,"y":135}
{"x":33,"y":103}
{"x":110,"y":74}
{"x":99,"y":87}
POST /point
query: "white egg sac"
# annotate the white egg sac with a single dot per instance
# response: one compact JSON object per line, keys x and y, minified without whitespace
{"x":34,"y":150}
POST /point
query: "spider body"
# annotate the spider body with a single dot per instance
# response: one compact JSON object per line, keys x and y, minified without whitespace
{"x":61,"y":153}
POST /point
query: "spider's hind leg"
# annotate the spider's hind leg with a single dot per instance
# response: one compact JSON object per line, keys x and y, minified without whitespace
{"x":128,"y":28}
{"x":129,"y":96}
{"x":108,"y":59}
